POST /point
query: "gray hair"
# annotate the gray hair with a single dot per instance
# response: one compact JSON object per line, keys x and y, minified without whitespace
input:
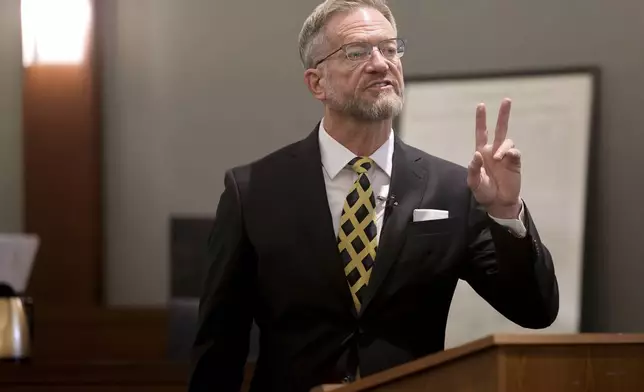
{"x":312,"y":33}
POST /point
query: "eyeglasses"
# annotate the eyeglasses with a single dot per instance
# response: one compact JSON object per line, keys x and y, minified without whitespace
{"x":391,"y":49}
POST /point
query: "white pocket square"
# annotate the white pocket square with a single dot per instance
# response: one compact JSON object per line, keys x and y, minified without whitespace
{"x":429,"y":214}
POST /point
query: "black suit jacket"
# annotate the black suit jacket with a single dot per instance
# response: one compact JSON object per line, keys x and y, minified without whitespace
{"x":274,"y":259}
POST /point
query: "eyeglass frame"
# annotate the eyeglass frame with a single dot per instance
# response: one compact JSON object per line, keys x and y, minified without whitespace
{"x":404,"y":44}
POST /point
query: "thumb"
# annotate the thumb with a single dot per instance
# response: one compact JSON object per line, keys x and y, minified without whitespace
{"x":474,"y":171}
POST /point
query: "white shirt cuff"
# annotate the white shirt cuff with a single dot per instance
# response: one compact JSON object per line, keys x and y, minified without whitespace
{"x":515,"y":226}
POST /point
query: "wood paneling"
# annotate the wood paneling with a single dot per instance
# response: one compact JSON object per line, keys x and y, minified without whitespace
{"x":62,"y":175}
{"x":80,"y":373}
{"x":522,"y":363}
{"x":94,"y":376}
{"x":578,"y":368}
{"x":103,"y":376}
{"x":95,"y":388}
{"x":100,"y":334}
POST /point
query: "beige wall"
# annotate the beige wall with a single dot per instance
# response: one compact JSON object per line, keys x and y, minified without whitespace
{"x":189,"y":91}
{"x":194,"y":87}
{"x":10,"y":118}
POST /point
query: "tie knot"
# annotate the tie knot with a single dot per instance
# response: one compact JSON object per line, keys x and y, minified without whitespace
{"x":361,"y":164}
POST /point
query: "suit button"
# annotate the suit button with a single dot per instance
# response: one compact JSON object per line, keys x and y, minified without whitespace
{"x":491,"y":270}
{"x":348,"y":379}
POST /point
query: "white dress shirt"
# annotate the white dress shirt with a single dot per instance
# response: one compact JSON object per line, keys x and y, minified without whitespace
{"x":339,"y":178}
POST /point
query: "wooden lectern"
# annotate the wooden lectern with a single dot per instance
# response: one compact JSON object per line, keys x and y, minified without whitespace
{"x":520,"y":363}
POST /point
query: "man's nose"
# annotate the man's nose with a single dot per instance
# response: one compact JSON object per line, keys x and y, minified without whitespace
{"x":377,"y":62}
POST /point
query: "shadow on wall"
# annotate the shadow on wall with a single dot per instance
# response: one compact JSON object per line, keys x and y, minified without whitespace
{"x":188,"y":266}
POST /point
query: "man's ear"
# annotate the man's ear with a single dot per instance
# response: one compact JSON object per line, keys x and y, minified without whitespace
{"x":314,"y":81}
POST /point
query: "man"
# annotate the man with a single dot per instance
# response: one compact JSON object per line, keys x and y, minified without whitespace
{"x":346,"y":247}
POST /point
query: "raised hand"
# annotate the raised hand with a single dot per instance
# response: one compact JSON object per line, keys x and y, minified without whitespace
{"x":494,"y":174}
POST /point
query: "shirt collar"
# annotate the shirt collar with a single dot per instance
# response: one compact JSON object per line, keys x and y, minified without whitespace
{"x":335,"y":156}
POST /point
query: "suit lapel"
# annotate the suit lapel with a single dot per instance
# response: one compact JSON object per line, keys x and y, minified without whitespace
{"x":312,"y":210}
{"x":408,"y":181}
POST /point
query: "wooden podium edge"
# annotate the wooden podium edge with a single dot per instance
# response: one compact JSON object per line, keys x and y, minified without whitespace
{"x":412,"y":367}
{"x":477,"y":346}
{"x":568,"y":339}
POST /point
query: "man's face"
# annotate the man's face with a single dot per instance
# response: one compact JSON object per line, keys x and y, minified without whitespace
{"x":368,"y":90}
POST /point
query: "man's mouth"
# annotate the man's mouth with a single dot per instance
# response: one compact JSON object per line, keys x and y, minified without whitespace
{"x":380,"y":84}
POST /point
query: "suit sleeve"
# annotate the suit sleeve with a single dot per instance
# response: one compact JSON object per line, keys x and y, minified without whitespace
{"x":226,"y":306}
{"x":514,"y":275}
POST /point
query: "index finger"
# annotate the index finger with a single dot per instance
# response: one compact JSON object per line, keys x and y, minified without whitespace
{"x":481,"y":127}
{"x":502,"y":123}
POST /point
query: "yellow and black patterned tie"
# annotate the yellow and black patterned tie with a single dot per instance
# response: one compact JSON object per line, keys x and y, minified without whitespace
{"x":357,"y":233}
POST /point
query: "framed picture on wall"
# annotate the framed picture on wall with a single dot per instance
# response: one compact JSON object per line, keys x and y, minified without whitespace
{"x":552,"y":121}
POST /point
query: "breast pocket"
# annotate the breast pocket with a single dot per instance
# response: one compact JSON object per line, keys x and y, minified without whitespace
{"x":428,"y":244}
{"x":432,"y":227}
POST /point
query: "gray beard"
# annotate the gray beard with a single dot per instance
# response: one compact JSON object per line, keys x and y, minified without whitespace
{"x":384,"y":108}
